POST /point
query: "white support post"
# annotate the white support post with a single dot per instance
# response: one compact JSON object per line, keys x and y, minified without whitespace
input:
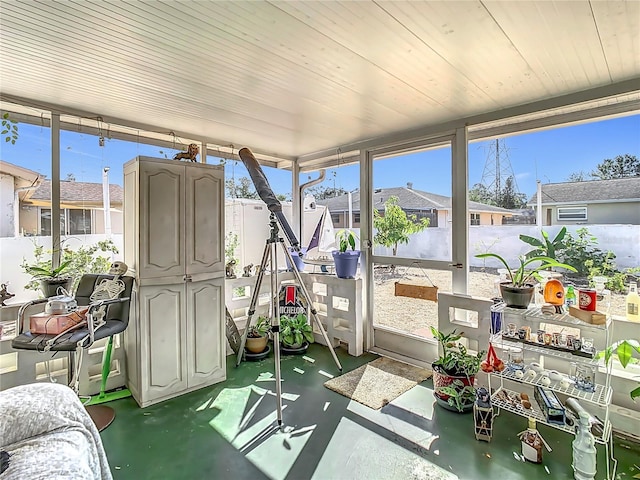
{"x":55,"y":190}
{"x":460,"y":210}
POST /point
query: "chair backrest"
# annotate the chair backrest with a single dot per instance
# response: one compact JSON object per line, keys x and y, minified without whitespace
{"x":117,"y":311}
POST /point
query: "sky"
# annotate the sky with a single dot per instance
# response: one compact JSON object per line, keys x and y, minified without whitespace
{"x":549,"y":155}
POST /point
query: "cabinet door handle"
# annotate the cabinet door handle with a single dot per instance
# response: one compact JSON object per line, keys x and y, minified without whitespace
{"x":187,"y":278}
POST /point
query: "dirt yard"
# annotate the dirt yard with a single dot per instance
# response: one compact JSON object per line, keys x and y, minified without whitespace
{"x":415,"y":315}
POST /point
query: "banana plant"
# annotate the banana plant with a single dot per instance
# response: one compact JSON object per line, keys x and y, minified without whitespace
{"x":545,"y":247}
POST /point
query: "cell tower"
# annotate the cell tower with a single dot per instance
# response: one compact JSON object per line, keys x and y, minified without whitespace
{"x":497,"y":170}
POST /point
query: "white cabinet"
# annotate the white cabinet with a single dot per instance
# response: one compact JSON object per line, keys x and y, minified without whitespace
{"x":174,"y":243}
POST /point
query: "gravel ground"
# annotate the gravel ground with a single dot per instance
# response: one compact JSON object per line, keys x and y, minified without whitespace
{"x":415,"y":315}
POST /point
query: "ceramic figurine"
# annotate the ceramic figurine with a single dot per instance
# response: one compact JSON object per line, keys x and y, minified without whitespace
{"x":4,"y":294}
{"x":229,"y":269}
{"x":190,"y":154}
{"x":248,"y":270}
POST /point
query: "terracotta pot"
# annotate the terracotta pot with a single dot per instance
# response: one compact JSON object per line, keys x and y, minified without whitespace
{"x":256,"y":344}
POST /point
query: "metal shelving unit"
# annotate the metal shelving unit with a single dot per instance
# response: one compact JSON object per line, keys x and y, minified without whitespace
{"x":602,"y":395}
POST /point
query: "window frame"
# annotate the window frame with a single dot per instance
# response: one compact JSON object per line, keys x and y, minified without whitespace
{"x":574,"y":218}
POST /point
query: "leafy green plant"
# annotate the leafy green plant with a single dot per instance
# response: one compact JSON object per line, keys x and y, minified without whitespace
{"x":346,"y":238}
{"x":261,"y":328}
{"x":295,"y":330}
{"x":545,"y":247}
{"x":73,"y":263}
{"x":455,"y":360}
{"x":231,"y":242}
{"x":580,"y":250}
{"x":9,"y":129}
{"x":40,"y":272}
{"x":395,"y":226}
{"x":460,"y":395}
{"x":623,"y":349}
{"x":522,"y":276}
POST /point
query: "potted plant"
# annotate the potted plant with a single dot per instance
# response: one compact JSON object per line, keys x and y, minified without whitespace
{"x":73,"y":264}
{"x":346,"y":261}
{"x":258,"y":335}
{"x":519,"y":290}
{"x":454,"y":372}
{"x":295,"y":333}
{"x":623,"y":349}
{"x":51,"y":279}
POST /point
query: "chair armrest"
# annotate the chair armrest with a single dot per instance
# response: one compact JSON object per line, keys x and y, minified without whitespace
{"x":23,"y":309}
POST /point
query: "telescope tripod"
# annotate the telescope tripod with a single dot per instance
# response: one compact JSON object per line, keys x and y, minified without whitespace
{"x":269,"y":259}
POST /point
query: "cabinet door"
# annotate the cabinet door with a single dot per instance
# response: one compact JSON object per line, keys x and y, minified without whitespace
{"x":161,"y":221}
{"x":162,"y":355}
{"x":205,"y":335}
{"x":204,"y":220}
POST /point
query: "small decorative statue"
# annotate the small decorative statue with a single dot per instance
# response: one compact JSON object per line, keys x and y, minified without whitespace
{"x":229,"y":270}
{"x":248,"y":270}
{"x":190,"y":154}
{"x":4,"y":294}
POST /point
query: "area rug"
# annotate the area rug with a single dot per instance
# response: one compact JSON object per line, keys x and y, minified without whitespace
{"x":378,"y":382}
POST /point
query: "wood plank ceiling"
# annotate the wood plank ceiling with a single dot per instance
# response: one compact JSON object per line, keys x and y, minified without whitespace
{"x":292,"y":78}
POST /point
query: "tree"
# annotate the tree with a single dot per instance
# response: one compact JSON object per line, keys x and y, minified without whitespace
{"x":621,"y":166}
{"x":395,"y":226}
{"x":509,"y":196}
{"x":240,"y":189}
{"x":480,"y":193}
{"x":580,"y":176}
{"x":321,"y":192}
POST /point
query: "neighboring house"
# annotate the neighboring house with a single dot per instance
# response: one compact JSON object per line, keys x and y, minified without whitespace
{"x":16,"y":183}
{"x":81,"y":209}
{"x":25,"y":204}
{"x":437,"y":208}
{"x":594,"y":202}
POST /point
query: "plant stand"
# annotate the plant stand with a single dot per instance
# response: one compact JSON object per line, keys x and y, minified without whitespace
{"x":483,"y":419}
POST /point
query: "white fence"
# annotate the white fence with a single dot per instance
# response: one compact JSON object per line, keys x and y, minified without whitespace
{"x":435,"y":243}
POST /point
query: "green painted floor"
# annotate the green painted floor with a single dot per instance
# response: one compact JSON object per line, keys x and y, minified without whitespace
{"x":226,"y":432}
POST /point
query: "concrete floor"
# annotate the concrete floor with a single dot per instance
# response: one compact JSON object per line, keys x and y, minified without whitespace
{"x":226,"y":431}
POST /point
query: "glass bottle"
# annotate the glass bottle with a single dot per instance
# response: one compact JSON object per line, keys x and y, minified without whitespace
{"x":570,"y":297}
{"x":633,"y":303}
{"x":603,"y":295}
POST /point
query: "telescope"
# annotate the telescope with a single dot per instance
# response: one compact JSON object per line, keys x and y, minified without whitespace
{"x":266,"y":194}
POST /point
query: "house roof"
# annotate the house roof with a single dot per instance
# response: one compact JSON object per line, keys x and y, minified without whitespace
{"x":79,"y":192}
{"x":408,"y":199}
{"x":20,"y":173}
{"x":301,"y":78}
{"x":594,"y":191}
